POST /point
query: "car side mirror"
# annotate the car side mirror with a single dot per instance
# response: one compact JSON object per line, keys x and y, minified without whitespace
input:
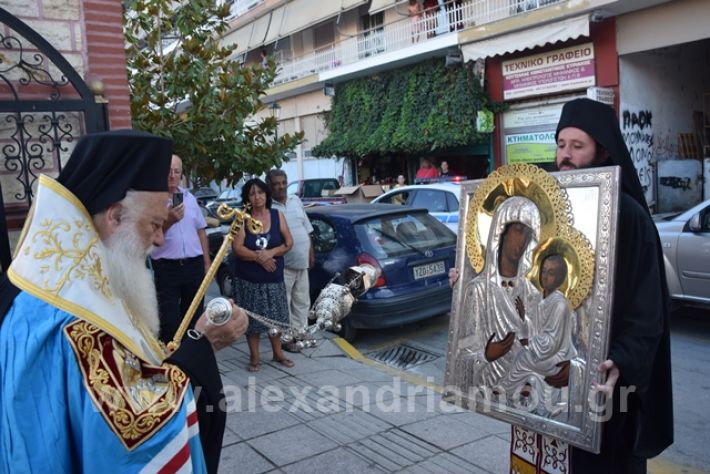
{"x":694,"y":223}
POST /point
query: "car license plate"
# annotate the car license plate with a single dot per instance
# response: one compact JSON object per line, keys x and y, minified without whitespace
{"x":430,"y":269}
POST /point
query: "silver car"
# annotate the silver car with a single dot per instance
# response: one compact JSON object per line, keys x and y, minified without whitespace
{"x":685,"y":239}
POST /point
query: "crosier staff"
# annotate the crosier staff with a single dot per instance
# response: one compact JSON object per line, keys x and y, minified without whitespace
{"x":332,"y":305}
{"x":239,"y":218}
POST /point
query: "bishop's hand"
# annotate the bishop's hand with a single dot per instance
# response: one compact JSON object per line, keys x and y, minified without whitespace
{"x":227,"y":333}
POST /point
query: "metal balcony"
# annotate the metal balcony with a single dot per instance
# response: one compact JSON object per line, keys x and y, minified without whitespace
{"x":404,"y":33}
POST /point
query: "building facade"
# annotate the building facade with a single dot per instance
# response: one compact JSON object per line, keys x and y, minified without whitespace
{"x":63,"y":75}
{"x":647,"y":58}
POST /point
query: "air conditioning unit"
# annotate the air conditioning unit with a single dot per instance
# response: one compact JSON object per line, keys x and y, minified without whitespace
{"x":453,"y":59}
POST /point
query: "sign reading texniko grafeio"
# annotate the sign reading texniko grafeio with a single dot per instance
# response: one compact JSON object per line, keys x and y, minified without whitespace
{"x":549,"y":73}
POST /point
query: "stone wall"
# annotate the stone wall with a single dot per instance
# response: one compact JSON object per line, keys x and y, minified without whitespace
{"x":89,"y":34}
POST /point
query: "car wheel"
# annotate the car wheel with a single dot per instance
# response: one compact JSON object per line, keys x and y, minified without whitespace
{"x":347,"y":331}
{"x":224,"y":281}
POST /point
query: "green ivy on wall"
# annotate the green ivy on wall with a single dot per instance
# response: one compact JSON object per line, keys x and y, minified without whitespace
{"x":415,"y":109}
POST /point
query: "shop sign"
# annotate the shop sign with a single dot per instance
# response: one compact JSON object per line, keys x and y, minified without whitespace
{"x":533,"y":147}
{"x":549,"y":73}
{"x":543,"y":115}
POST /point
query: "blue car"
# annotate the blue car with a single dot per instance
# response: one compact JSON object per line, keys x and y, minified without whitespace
{"x":413,"y":250}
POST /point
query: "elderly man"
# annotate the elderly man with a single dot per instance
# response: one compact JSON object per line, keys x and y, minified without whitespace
{"x":86,"y":385}
{"x":300,"y":258}
{"x":180,"y":264}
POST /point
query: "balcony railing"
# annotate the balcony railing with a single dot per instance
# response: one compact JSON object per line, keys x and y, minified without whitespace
{"x":403,"y":34}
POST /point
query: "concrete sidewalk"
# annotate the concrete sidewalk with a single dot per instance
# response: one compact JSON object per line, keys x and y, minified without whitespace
{"x":336,"y":411}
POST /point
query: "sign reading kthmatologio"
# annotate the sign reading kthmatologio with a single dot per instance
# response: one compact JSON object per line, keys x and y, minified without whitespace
{"x":549,"y":73}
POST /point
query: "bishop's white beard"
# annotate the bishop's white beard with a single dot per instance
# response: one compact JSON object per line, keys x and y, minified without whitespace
{"x":130,"y":278}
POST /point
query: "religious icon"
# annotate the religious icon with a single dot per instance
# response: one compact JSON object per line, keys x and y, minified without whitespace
{"x":262,"y":241}
{"x":533,"y":301}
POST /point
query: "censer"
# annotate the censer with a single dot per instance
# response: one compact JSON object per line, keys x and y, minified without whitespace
{"x":332,"y":305}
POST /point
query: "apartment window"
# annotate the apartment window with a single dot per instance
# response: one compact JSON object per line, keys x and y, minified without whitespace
{"x":370,"y":22}
{"x":282,"y":50}
{"x":372,"y":40}
{"x":324,"y":35}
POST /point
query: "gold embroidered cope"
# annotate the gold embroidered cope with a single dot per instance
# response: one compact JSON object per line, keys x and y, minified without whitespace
{"x":135,"y":398}
{"x":61,"y":260}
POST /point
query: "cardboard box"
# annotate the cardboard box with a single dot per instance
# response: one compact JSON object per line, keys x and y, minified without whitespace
{"x":360,"y":193}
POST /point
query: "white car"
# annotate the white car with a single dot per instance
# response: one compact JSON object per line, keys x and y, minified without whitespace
{"x":685,"y":239}
{"x":441,"y":199}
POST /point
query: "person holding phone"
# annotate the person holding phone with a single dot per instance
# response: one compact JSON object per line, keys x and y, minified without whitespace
{"x":180,"y":264}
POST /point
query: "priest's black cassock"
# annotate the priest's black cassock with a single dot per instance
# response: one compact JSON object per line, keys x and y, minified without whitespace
{"x":640,"y":335}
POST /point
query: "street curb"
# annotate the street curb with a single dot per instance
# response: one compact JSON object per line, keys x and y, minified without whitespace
{"x":356,"y":355}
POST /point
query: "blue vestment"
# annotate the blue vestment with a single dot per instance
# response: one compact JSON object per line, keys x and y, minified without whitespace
{"x":50,"y":420}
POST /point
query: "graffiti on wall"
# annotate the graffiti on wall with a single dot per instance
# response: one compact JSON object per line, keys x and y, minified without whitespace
{"x":637,"y":130}
{"x":675,"y":182}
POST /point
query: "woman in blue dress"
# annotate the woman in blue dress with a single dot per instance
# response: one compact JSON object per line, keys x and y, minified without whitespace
{"x":259,"y":273}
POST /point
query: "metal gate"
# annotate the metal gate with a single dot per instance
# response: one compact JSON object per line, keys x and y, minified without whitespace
{"x":45,"y":106}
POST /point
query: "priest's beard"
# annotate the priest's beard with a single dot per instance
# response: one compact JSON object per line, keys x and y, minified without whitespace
{"x":130,"y":278}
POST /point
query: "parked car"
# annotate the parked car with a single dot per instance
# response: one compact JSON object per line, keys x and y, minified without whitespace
{"x":215,"y":236}
{"x":441,"y":200}
{"x":413,"y":250}
{"x":311,"y":188}
{"x":204,"y":195}
{"x":311,"y":191}
{"x":685,"y":239}
{"x":231,"y":197}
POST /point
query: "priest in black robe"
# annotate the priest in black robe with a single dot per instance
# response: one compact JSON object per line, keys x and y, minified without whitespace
{"x":639,"y":346}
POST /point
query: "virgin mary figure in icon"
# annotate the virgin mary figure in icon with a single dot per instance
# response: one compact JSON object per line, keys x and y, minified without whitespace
{"x":500,"y":302}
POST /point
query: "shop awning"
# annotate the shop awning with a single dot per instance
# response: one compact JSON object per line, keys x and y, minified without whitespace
{"x":286,"y":20}
{"x":348,"y":4}
{"x":300,"y":14}
{"x":380,"y":5}
{"x":527,"y":39}
{"x":277,"y":17}
{"x":240,"y":36}
{"x":258,"y":34}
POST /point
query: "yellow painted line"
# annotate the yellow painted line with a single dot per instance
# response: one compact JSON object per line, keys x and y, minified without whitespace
{"x":408,"y":337}
{"x":354,"y":354}
{"x":661,"y":466}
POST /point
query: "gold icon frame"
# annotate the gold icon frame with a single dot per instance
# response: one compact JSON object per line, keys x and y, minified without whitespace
{"x":578,"y":220}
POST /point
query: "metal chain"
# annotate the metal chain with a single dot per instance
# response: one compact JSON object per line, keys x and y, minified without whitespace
{"x":267,"y":321}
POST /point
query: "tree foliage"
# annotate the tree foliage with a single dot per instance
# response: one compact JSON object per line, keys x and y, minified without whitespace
{"x":196,"y":93}
{"x":414,"y":109}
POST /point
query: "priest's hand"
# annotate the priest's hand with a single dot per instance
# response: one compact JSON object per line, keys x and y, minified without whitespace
{"x":496,"y":350}
{"x":228,"y":333}
{"x":612,"y":375}
{"x":561,"y":378}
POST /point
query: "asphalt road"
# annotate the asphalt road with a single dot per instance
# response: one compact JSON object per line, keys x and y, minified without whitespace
{"x":690,"y":335}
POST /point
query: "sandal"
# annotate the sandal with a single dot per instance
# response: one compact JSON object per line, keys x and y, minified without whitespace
{"x":288,"y":363}
{"x":253,"y":367}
